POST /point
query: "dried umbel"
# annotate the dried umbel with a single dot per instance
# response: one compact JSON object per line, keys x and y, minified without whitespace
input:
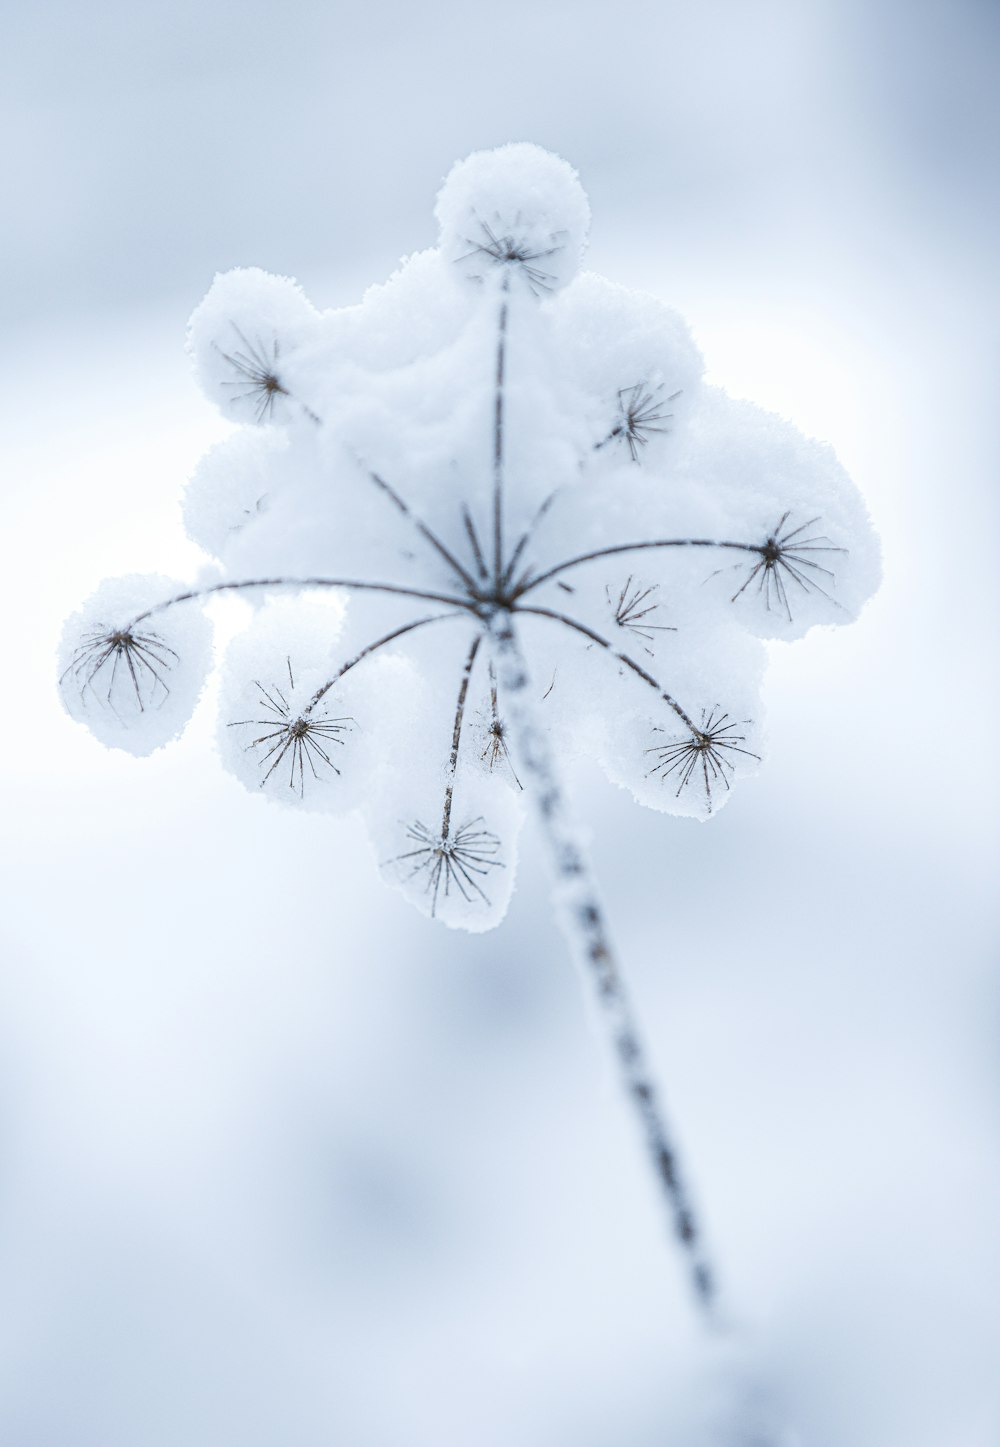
{"x":488,"y":516}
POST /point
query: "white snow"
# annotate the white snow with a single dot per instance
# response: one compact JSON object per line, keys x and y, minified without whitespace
{"x":134,"y":683}
{"x":477,"y":427}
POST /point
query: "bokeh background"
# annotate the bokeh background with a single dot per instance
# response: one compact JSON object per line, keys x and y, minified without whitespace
{"x":282,"y":1163}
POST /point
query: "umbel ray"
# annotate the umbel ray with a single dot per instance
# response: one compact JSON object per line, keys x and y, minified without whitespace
{"x":544,"y":534}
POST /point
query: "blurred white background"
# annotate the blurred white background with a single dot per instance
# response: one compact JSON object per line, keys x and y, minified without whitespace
{"x":281,"y":1162}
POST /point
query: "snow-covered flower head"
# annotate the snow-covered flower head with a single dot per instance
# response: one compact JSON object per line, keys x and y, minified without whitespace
{"x":495,"y":491}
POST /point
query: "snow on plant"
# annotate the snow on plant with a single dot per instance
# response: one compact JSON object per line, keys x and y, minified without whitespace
{"x":486,"y":517}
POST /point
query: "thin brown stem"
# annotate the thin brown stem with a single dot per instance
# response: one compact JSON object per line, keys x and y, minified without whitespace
{"x":350,"y":584}
{"x":609,"y":647}
{"x":540,"y":578}
{"x":367,"y":651}
{"x":456,"y":735}
{"x":422,"y":528}
{"x":477,"y":551}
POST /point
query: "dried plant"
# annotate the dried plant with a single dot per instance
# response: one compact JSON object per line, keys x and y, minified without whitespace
{"x":109,"y":658}
{"x":497,"y":751}
{"x":511,"y":251}
{"x":704,"y":755}
{"x":451,"y":861}
{"x":639,"y":416}
{"x":470,"y":458}
{"x":634,"y":608}
{"x":296,"y":737}
{"x":256,"y":374}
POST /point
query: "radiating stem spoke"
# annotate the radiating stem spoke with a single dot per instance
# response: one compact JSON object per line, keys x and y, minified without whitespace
{"x":456,"y":735}
{"x":537,"y":579}
{"x":348,"y":584}
{"x":425,"y":532}
{"x":609,"y":647}
{"x":371,"y":648}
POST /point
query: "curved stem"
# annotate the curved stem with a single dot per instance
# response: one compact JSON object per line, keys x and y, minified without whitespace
{"x":403,"y":506}
{"x":540,"y":578}
{"x":346,"y":583}
{"x":422,"y":528}
{"x":604,"y":643}
{"x":368,"y":650}
{"x":456,"y":735}
{"x":477,"y":551}
{"x":587,"y":935}
{"x":525,"y":538}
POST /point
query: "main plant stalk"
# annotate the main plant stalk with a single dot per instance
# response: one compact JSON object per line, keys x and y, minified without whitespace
{"x":583,"y":921}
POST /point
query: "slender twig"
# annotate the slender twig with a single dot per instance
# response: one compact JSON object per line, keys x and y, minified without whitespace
{"x":422,"y":528}
{"x":453,"y":859}
{"x":609,"y":647}
{"x":347,"y":583}
{"x":456,"y":735}
{"x":386,"y":488}
{"x":370,"y":649}
{"x":525,"y":538}
{"x":477,"y":550}
{"x":530,"y":583}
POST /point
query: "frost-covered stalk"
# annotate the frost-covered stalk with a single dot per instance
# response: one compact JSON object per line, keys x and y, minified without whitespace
{"x":581,"y":915}
{"x":510,"y":440}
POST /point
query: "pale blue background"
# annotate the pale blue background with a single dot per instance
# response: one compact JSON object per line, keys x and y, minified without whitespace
{"x":279,"y":1161}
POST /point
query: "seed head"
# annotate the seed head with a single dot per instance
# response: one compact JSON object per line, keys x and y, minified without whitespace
{"x":508,"y":251}
{"x":704,"y":756}
{"x":634,"y":607}
{"x":107,"y":655}
{"x":455,"y":861}
{"x":787,"y":556}
{"x":641,"y":409}
{"x":256,"y":366}
{"x":299,"y":738}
